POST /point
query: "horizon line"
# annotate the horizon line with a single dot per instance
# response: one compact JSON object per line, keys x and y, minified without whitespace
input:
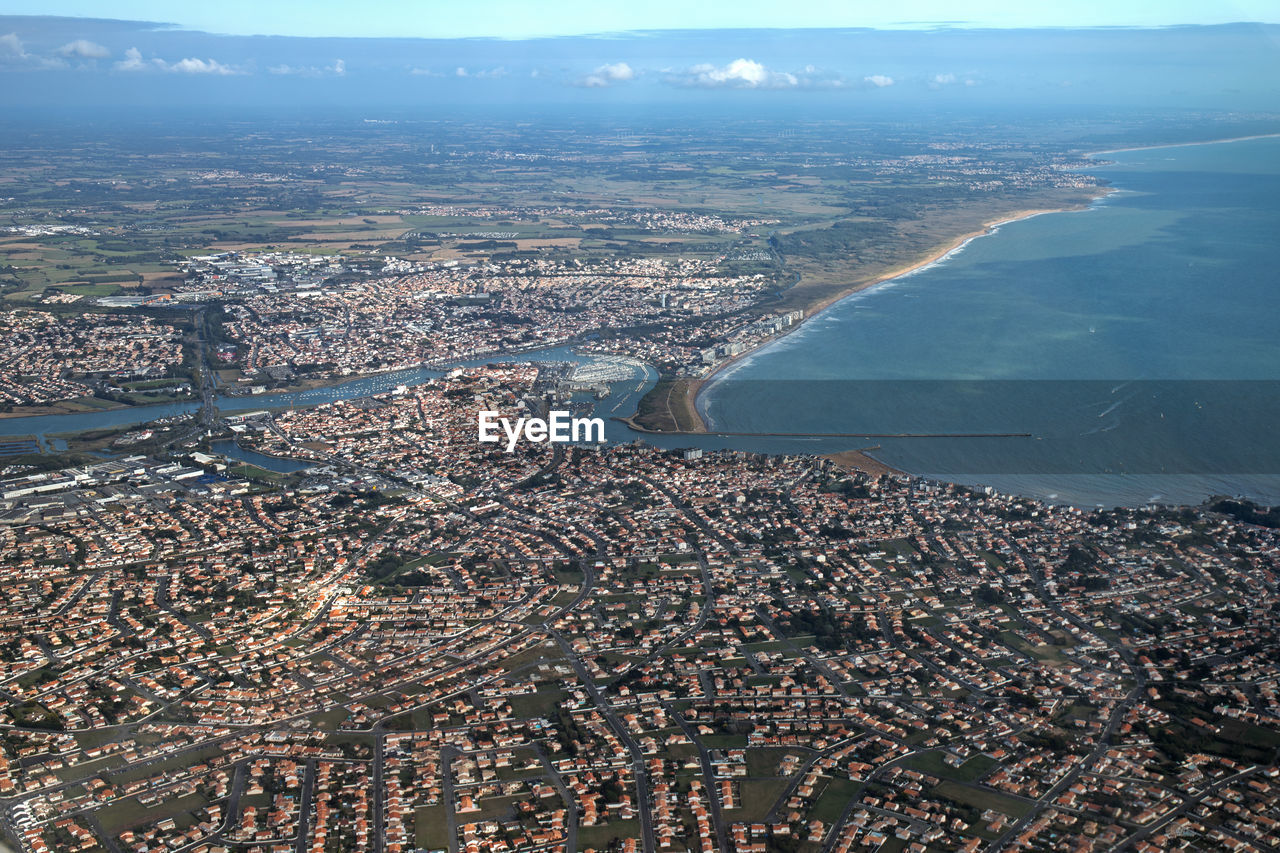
{"x":644,"y":32}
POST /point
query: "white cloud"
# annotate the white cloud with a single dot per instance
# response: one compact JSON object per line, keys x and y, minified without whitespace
{"x":84,"y":49}
{"x":817,"y":78}
{"x":338,"y":68}
{"x":489,"y":74}
{"x":739,"y":74}
{"x":200,"y":66}
{"x":749,"y":74}
{"x":607,"y":75}
{"x":967,"y":78}
{"x":879,"y":80}
{"x":11,"y":47}
{"x":133,"y":61}
{"x":13,"y":50}
{"x":13,"y":53}
{"x":745,"y":72}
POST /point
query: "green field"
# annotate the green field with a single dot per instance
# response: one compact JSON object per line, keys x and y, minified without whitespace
{"x":430,"y":827}
{"x":971,"y":770}
{"x":835,"y":797}
{"x":600,"y":836}
{"x":983,"y":798}
{"x":758,"y":795}
{"x":129,"y":812}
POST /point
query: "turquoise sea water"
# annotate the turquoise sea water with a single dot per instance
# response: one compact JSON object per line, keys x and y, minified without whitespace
{"x":1135,"y":342}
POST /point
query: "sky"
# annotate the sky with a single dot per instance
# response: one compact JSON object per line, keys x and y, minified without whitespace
{"x":838,"y":58}
{"x":520,"y":19}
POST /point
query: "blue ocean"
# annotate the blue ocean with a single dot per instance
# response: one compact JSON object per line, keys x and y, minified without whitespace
{"x":1120,"y":355}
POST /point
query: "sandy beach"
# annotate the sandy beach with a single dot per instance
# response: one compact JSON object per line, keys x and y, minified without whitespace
{"x":860,"y":460}
{"x":694,"y":389}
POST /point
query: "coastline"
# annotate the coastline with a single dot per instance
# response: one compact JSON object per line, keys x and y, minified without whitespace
{"x":693,"y":390}
{"x":862,"y":461}
{"x":1181,"y":144}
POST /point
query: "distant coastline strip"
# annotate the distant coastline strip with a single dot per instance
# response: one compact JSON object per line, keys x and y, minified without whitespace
{"x":1158,"y":145}
{"x":726,"y":433}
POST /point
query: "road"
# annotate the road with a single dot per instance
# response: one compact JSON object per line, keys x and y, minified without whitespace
{"x":447,"y":755}
{"x":708,"y":779}
{"x":650,"y":844}
{"x":570,"y":803}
